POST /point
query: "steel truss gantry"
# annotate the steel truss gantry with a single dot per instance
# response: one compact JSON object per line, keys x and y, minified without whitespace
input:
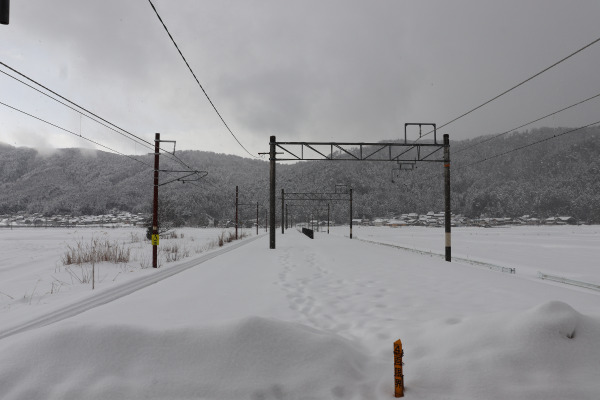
{"x":316,"y":197}
{"x":311,"y":210}
{"x":403,"y":152}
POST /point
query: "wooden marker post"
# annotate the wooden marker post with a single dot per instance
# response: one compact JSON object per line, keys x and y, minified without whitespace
{"x":398,"y":376}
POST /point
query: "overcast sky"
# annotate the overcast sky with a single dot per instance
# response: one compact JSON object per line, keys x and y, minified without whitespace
{"x":301,"y":70}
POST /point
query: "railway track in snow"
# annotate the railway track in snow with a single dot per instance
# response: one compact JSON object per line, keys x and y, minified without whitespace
{"x":112,"y":294}
{"x":493,"y":267}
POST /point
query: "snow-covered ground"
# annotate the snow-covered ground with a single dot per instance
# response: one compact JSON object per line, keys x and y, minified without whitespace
{"x":34,"y":279}
{"x":316,"y":319}
{"x":569,"y":251}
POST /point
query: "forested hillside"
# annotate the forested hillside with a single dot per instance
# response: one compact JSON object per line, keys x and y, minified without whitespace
{"x":555,"y":177}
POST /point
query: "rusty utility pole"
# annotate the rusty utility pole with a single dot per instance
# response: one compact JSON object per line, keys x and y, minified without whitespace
{"x":155,"y":202}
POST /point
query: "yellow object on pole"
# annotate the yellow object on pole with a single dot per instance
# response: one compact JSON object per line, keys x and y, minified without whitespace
{"x":398,"y":375}
{"x":155,"y":240}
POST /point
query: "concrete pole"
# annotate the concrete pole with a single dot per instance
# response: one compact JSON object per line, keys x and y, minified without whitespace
{"x":272,"y":192}
{"x":282,"y":211}
{"x":447,"y":212}
{"x":350,"y":213}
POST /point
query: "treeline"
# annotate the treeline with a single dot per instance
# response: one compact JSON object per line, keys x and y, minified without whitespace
{"x":555,"y":177}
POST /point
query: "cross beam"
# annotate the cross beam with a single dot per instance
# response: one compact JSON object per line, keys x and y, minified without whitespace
{"x":360,"y":151}
{"x":316,"y":196}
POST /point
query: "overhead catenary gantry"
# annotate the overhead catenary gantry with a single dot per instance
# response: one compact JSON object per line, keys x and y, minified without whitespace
{"x":404,"y":152}
{"x":310,"y":210}
{"x":319,"y":197}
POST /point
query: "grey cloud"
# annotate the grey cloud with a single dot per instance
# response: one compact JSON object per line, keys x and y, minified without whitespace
{"x":310,"y":70}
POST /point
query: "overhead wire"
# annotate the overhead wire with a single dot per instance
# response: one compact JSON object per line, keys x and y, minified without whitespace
{"x":524,"y":125}
{"x":196,"y":78}
{"x":431,"y":174}
{"x":75,"y":134}
{"x":531,"y":144}
{"x":143,"y":143}
{"x":88,"y":139}
{"x":147,"y":144}
{"x":70,"y":101}
{"x":514,"y":87}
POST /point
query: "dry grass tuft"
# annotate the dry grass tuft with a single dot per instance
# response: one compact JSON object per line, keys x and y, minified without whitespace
{"x":98,"y":250}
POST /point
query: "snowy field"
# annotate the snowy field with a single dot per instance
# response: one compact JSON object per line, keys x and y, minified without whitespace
{"x":569,"y":251}
{"x":34,"y":279}
{"x":313,"y":319}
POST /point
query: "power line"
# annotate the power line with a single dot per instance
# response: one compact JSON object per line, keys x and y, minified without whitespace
{"x":197,"y":81}
{"x":143,"y":143}
{"x":73,"y":133}
{"x":88,"y":139}
{"x":532,"y":144}
{"x":149,"y":144}
{"x":528,"y":123}
{"x":72,"y":102}
{"x":516,"y":86}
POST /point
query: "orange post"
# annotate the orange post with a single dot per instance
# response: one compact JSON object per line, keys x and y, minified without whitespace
{"x":398,"y":376}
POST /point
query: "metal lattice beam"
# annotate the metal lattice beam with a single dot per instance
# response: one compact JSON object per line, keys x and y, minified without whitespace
{"x":335,"y":151}
{"x":316,"y":196}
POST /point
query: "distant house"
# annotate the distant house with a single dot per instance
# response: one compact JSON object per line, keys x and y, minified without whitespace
{"x":566,"y":221}
{"x":378,"y":222}
{"x":394,"y":223}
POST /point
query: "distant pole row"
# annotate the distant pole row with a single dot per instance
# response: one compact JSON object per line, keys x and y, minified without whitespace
{"x":237,"y":204}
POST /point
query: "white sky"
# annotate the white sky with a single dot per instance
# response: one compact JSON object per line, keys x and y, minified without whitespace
{"x":305,"y":70}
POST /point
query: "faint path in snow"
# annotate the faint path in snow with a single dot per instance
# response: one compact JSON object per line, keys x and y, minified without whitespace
{"x":115,"y":293}
{"x":326,"y":298}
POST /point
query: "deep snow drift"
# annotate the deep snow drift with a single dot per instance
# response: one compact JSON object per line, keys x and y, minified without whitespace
{"x":316,"y":319}
{"x":252,"y":358}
